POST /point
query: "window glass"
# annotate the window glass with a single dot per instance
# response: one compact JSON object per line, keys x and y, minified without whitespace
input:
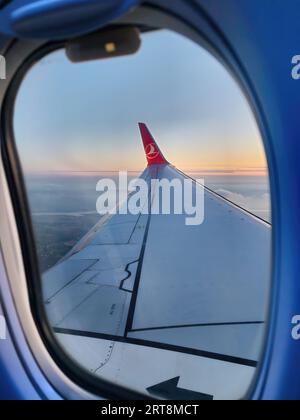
{"x":149,"y":195}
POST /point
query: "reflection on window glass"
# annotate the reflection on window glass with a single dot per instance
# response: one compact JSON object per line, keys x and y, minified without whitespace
{"x":149,"y":194}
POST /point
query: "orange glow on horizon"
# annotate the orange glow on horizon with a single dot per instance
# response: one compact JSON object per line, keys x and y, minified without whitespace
{"x":190,"y":171}
{"x":229,"y":161}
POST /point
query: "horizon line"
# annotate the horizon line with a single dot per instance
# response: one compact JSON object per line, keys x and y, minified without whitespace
{"x":214,"y":171}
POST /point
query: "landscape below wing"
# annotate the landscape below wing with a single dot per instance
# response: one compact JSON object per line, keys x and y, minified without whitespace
{"x":148,"y":292}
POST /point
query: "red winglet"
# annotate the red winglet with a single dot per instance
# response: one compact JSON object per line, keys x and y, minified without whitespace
{"x":153,"y":153}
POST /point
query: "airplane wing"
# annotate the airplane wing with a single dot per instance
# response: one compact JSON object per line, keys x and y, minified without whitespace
{"x":143,"y":298}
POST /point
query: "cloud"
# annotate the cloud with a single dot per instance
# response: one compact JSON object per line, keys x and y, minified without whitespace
{"x":254,"y":203}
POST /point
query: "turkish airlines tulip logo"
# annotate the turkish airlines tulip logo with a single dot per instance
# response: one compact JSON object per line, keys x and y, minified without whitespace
{"x":151,"y":151}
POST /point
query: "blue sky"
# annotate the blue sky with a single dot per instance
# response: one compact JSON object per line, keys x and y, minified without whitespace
{"x":83,"y":117}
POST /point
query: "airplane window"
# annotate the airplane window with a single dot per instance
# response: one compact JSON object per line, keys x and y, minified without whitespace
{"x":149,"y":194}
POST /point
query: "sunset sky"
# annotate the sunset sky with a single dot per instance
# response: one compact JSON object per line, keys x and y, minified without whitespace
{"x":83,"y":117}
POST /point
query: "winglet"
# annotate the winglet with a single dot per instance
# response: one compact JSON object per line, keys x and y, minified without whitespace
{"x":153,"y":153}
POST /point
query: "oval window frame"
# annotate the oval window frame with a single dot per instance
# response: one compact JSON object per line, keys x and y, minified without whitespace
{"x":36,"y":51}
